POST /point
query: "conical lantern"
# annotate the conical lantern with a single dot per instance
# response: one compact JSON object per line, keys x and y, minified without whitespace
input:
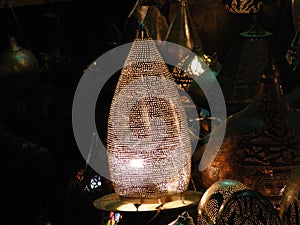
{"x":149,"y":149}
{"x":183,"y":32}
{"x":261,"y":143}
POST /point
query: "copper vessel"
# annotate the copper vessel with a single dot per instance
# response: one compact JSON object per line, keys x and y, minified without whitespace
{"x":262,"y":142}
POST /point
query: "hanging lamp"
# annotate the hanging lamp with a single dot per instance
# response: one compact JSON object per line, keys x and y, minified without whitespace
{"x":149,"y":149}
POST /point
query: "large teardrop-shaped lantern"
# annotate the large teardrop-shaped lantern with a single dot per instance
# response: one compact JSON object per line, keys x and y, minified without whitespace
{"x":149,"y":148}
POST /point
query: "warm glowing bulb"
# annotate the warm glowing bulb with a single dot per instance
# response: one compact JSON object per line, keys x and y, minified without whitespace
{"x":136,"y":163}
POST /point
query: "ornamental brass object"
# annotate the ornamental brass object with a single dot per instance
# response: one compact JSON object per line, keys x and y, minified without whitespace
{"x":248,"y":207}
{"x":182,"y":31}
{"x":214,"y":197}
{"x":261,"y":145}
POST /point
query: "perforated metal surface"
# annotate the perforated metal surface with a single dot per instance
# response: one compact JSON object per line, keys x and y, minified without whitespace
{"x":148,"y":142}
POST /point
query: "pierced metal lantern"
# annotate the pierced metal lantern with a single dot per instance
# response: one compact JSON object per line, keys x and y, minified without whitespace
{"x":248,"y":207}
{"x":195,"y":66}
{"x":214,"y":197}
{"x":182,"y":31}
{"x":149,"y":149}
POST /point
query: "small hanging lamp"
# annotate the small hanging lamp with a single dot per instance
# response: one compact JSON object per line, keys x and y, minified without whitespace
{"x":183,"y":32}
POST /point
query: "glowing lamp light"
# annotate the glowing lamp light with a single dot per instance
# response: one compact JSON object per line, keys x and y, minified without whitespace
{"x":149,"y":149}
{"x":137,"y":163}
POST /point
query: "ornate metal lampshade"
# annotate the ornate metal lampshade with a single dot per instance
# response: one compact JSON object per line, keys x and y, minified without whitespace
{"x":183,"y":32}
{"x":214,"y":197}
{"x":195,"y":66}
{"x":149,"y":149}
{"x":248,"y":207}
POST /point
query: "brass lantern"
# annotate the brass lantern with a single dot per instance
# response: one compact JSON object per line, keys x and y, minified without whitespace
{"x":248,"y":207}
{"x":182,"y":31}
{"x":149,"y":149}
{"x":214,"y":197}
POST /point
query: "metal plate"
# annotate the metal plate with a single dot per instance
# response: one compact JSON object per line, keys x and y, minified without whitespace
{"x":113,"y":202}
